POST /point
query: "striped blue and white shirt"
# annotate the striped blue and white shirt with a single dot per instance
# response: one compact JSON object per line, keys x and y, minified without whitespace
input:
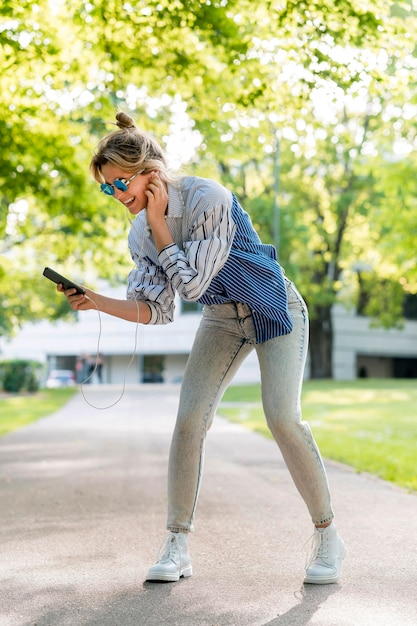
{"x":217,"y":257}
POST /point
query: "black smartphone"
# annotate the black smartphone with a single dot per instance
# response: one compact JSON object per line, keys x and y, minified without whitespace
{"x":57,"y":278}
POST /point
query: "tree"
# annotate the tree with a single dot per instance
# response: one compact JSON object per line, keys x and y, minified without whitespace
{"x":66,"y":68}
{"x":354,"y":93}
{"x":330,"y":83}
{"x":344,"y":181}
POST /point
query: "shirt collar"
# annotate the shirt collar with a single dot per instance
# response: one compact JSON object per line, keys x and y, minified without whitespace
{"x":175,"y":201}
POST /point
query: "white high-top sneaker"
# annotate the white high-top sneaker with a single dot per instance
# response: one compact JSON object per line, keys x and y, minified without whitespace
{"x":326,"y":556}
{"x":173,"y":559}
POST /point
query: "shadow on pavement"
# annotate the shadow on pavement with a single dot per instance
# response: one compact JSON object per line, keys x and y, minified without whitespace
{"x":312,"y":597}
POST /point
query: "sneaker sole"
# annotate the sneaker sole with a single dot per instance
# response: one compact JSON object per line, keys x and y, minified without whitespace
{"x":171,"y":578}
{"x":320,"y":581}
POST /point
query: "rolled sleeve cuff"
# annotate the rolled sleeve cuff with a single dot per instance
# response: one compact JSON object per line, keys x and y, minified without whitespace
{"x":168,"y":253}
{"x":156,"y":316}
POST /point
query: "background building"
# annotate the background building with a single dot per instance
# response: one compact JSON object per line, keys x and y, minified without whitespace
{"x":134,"y":353}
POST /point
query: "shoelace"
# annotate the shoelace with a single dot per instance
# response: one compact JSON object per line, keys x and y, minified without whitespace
{"x":319,"y":547}
{"x":169,"y":549}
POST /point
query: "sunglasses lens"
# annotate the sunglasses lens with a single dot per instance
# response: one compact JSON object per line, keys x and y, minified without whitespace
{"x":107,"y":189}
{"x":120,"y":184}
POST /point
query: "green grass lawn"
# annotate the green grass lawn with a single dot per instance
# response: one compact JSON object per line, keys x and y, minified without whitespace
{"x":370,"y":424}
{"x":19,"y":410}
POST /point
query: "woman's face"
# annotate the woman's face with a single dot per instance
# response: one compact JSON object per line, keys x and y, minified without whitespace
{"x":134,"y":197}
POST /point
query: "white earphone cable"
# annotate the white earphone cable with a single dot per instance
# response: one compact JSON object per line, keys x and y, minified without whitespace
{"x":146,"y":232}
{"x":98,"y":355}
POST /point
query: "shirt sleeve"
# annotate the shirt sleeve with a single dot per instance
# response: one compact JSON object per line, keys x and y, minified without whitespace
{"x":185,"y":267}
{"x":192,"y":269}
{"x":149,"y":283}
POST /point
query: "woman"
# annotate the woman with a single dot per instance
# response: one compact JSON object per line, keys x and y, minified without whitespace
{"x":191,"y":236}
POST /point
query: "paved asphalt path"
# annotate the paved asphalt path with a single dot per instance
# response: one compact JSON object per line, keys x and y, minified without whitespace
{"x":83,"y":497}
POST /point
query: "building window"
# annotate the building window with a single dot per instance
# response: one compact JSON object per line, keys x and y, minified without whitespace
{"x":153,"y":368}
{"x":190,"y":307}
{"x":410,"y":306}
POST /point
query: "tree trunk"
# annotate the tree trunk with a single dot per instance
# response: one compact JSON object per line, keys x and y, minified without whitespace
{"x":321,"y":343}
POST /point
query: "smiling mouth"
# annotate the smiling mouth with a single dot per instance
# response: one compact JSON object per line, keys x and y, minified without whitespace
{"x":129,"y":202}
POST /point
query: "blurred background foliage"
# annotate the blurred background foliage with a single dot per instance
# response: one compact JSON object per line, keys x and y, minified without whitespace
{"x":307,"y":110}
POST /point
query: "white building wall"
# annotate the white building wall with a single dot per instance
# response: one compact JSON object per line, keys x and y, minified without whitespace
{"x":119,"y":341}
{"x":355,"y":338}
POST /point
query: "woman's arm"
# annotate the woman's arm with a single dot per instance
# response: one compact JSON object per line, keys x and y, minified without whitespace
{"x":156,"y":209}
{"x":191,"y":270}
{"x":130,"y":310}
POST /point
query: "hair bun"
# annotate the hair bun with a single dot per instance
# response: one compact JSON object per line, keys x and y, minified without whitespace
{"x":123,"y":120}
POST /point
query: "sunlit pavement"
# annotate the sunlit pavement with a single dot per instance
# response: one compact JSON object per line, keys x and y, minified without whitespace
{"x":83,"y":499}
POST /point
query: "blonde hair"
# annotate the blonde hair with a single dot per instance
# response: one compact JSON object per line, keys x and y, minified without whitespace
{"x":130,"y":149}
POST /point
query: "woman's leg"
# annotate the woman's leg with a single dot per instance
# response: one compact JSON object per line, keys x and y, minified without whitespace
{"x":282,"y":362}
{"x":219,"y":348}
{"x":223,"y":341}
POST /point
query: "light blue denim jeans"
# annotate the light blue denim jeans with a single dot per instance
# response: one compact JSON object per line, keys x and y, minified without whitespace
{"x":224,"y":339}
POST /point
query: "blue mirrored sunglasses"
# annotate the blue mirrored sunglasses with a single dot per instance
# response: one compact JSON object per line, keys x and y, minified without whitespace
{"x":118,"y":183}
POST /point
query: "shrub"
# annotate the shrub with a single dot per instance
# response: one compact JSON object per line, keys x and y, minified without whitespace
{"x":19,"y":375}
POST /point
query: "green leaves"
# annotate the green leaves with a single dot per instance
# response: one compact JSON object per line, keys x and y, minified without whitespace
{"x":333,"y":83}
